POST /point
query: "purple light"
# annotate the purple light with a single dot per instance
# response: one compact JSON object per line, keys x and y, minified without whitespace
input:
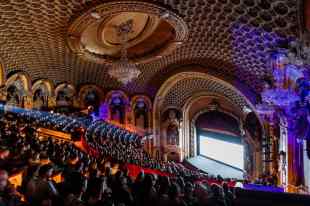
{"x":263,"y":188}
{"x":280,"y":97}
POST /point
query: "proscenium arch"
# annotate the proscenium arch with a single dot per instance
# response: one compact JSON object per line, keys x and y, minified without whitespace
{"x":188,"y":131}
{"x":245,"y":141}
{"x":173,"y":80}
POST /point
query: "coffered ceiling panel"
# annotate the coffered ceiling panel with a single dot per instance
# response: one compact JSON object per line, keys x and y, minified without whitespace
{"x":231,"y":36}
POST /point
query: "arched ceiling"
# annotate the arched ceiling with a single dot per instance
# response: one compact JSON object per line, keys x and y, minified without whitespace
{"x":182,"y":90}
{"x":231,"y":36}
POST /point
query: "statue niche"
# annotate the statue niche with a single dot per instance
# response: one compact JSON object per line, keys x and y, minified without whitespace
{"x":13,"y":97}
{"x":141,"y":115}
{"x":172,"y":127}
{"x":172,"y":135}
{"x":92,"y":99}
{"x":65,"y":96}
{"x":39,"y":99}
{"x":117,"y":108}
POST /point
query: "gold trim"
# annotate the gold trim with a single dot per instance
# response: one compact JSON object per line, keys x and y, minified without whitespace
{"x":107,"y":11}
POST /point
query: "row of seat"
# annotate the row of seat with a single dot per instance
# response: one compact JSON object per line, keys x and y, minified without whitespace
{"x":95,"y":130}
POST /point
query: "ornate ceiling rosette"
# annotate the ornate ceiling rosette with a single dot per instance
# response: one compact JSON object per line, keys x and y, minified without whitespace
{"x":156,"y":32}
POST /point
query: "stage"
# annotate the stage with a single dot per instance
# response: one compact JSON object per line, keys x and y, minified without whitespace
{"x":214,"y":167}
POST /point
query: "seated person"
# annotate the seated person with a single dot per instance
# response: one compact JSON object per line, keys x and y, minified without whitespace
{"x":8,"y":195}
{"x":42,"y":189}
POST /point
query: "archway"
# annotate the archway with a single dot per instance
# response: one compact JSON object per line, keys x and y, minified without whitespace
{"x":18,"y":89}
{"x":141,"y":107}
{"x":43,"y":91}
{"x":219,"y":139}
{"x":117,"y":102}
{"x":90,"y":95}
{"x":64,"y":97}
{"x":191,"y":93}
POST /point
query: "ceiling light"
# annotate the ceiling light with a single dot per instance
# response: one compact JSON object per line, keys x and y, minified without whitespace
{"x":165,"y":16}
{"x":95,"y":15}
{"x":123,"y":70}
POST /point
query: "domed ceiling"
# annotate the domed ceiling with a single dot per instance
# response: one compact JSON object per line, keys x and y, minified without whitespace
{"x":230,"y":38}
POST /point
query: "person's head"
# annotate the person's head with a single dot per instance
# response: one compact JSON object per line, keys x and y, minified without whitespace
{"x":78,"y":183}
{"x":174,"y":191}
{"x":225,"y":187}
{"x":148,"y":181}
{"x":46,"y":171}
{"x":140,"y":176}
{"x":32,"y":170}
{"x":189,"y":188}
{"x":164,"y":182}
{"x":123,"y":181}
{"x":3,"y":179}
{"x":217,"y":191}
{"x":4,"y":154}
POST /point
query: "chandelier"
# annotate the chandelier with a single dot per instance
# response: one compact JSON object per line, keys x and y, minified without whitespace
{"x":123,"y":70}
{"x":282,"y":93}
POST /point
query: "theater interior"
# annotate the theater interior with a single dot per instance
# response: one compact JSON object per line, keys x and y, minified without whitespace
{"x":154,"y":102}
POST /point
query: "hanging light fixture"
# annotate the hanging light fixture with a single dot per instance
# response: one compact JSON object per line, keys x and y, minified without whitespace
{"x":123,"y":70}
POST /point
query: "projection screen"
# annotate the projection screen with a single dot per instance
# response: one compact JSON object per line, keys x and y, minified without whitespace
{"x":227,"y":152}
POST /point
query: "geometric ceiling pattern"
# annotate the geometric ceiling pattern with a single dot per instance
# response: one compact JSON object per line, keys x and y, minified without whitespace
{"x":233,"y":37}
{"x":179,"y":93}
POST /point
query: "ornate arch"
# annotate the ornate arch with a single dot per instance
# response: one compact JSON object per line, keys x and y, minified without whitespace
{"x":42,"y":93}
{"x":148,"y":106}
{"x":146,"y":99}
{"x":84,"y":91}
{"x":189,"y":136}
{"x":20,"y":96}
{"x":45,"y":84}
{"x":246,"y":140}
{"x":193,"y":137}
{"x":119,"y":93}
{"x":23,"y":78}
{"x":70,"y":93}
{"x":123,"y":96}
{"x":191,"y":83}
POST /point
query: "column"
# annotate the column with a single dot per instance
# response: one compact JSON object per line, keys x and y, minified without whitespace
{"x":293,"y":150}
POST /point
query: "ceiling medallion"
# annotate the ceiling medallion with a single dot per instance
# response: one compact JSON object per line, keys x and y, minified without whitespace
{"x":156,"y":32}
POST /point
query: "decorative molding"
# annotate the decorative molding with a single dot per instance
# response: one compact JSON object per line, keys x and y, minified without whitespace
{"x":107,"y":11}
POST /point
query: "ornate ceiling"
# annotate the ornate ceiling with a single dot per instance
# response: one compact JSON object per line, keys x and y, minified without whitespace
{"x":230,"y":37}
{"x":186,"y":87}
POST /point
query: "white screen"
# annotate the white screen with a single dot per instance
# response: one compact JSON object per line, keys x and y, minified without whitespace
{"x":223,"y":151}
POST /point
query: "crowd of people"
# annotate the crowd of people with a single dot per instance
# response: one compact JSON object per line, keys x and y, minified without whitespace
{"x":87,"y":180}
